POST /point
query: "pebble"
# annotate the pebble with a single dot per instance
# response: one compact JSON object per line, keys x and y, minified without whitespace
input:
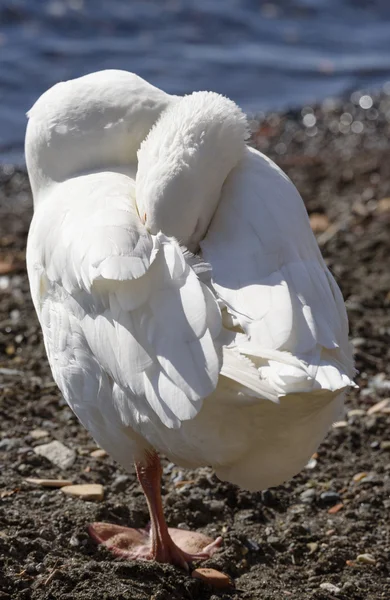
{"x":85,"y":491}
{"x":319,"y":222}
{"x":120,"y":483}
{"x":10,"y":372}
{"x":38,"y":434}
{"x":379,"y":382}
{"x":367,"y":559}
{"x":7,"y":444}
{"x":330,"y":497}
{"x":51,"y":483}
{"x":340,"y":424}
{"x":383,"y":205}
{"x":252,"y":545}
{"x":372,"y":423}
{"x":359,"y":477}
{"x":356,"y":412}
{"x":336,"y":508}
{"x":98,"y":453}
{"x":213,"y":577}
{"x":57,"y":453}
{"x":330,"y":587}
{"x":379,"y":407}
{"x":74,"y":541}
{"x":385,"y":445}
{"x":273,"y":539}
{"x":216,"y":506}
{"x":267,"y":498}
{"x":313,"y":546}
{"x":4,"y":282}
{"x":308,"y":496}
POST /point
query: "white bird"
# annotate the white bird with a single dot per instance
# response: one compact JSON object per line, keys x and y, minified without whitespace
{"x":184,"y":303}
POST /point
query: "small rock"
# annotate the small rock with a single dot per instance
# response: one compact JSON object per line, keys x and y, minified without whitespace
{"x":267,"y":498}
{"x":308,"y":496}
{"x":51,"y":483}
{"x":313,"y":546}
{"x":168,"y":469}
{"x":312,"y":463}
{"x":357,"y":341}
{"x":330,"y":497}
{"x":273,"y":539}
{"x":57,"y":453}
{"x":336,"y":508}
{"x":98,"y":453}
{"x":372,"y":424}
{"x":4,"y":282}
{"x":84,"y":451}
{"x":74,"y":541}
{"x":367,"y":559}
{"x":38,"y":434}
{"x":359,"y":477}
{"x":213,"y":577}
{"x":329,"y":587}
{"x":30,"y":569}
{"x":379,"y":407}
{"x":252,"y":545}
{"x":385,"y":445}
{"x":10,"y":372}
{"x":330,"y":532}
{"x":120,"y":483}
{"x":7,"y":444}
{"x":356,"y":412}
{"x":216,"y":506}
{"x":319,"y":222}
{"x":383,"y":205}
{"x":85,"y":491}
{"x":340,"y":424}
{"x":379,"y":382}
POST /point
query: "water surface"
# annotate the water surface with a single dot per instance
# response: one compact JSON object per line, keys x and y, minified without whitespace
{"x":266,"y":56}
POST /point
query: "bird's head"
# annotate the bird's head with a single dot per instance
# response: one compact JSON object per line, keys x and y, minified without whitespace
{"x":91,"y":123}
{"x":184,"y":161}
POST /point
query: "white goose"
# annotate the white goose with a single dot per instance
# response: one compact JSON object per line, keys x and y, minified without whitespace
{"x":184,"y":302}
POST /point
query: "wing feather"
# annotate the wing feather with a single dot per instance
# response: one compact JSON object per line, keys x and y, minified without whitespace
{"x":269,"y":274}
{"x":145,"y":322}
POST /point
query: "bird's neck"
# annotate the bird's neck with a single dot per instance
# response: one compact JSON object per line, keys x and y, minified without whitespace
{"x":184,"y":162}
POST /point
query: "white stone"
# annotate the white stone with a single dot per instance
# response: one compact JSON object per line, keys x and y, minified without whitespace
{"x":329,"y":587}
{"x":57,"y":453}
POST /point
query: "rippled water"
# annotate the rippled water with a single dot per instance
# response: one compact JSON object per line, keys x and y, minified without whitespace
{"x":264,"y":55}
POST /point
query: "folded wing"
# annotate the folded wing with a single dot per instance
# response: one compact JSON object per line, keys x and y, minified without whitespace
{"x":285,"y":309}
{"x":127,"y":323}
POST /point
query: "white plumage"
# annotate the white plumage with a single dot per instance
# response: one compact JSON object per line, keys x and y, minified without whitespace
{"x":236,"y":356}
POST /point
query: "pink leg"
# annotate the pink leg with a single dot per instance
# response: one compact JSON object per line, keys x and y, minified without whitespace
{"x":175,"y":546}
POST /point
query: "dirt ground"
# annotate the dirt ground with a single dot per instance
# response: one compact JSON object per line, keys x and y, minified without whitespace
{"x":301,"y":540}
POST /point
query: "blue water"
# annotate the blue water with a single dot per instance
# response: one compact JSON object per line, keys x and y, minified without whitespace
{"x":264,"y":55}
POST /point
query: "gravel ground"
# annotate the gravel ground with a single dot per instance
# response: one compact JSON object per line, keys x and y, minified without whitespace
{"x":322,"y":536}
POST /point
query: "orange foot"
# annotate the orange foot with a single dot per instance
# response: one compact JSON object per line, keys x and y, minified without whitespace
{"x":180,"y":548}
